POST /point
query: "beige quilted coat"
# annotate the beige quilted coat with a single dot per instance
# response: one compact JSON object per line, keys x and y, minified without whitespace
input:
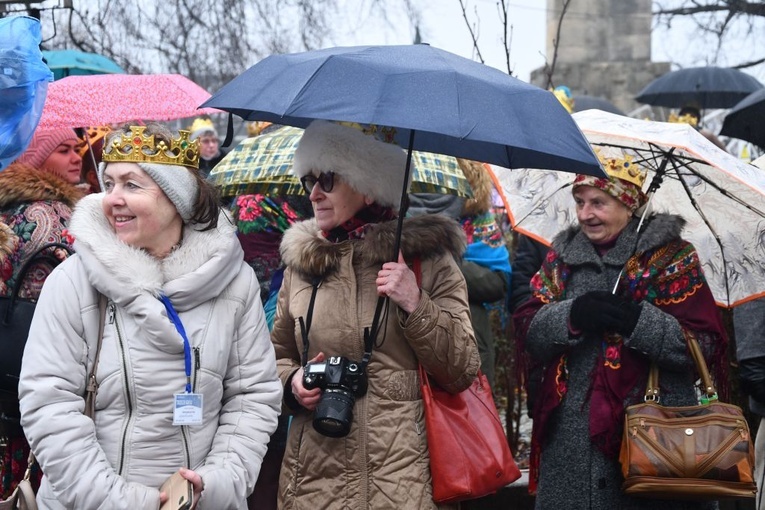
{"x":383,"y":463}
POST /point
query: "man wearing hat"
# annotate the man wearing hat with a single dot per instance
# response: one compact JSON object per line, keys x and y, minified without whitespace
{"x":210,"y":152}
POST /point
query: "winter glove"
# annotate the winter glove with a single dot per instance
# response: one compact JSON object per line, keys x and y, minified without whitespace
{"x":751,"y":373}
{"x":599,"y":311}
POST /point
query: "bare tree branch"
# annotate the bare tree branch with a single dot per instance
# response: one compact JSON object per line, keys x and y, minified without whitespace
{"x":473,"y":37}
{"x":550,"y":68}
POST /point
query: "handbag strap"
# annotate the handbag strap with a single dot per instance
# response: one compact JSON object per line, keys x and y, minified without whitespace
{"x":652,"y":387}
{"x":22,"y":274}
{"x":91,"y":388}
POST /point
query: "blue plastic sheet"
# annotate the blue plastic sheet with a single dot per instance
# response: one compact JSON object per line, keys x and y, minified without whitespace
{"x":24,"y":81}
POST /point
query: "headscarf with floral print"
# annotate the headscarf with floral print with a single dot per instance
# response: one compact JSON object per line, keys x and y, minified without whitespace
{"x":625,"y":192}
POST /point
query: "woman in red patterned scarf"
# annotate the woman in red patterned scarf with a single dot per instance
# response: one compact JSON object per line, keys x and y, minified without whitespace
{"x":596,"y":345}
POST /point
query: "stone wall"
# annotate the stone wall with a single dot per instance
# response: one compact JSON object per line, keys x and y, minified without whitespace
{"x":604,"y":50}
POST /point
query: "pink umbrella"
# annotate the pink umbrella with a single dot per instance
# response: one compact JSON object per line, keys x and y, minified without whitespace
{"x":103,"y":99}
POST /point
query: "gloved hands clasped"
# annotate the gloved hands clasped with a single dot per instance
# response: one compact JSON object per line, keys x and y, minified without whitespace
{"x":599,"y":311}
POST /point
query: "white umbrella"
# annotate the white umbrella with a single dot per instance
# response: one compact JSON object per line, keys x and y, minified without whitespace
{"x":721,"y":197}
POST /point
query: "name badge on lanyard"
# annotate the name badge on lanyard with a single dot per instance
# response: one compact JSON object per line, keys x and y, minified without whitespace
{"x":187,"y":406}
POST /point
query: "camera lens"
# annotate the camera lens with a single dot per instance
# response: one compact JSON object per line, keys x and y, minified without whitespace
{"x":334,"y":413}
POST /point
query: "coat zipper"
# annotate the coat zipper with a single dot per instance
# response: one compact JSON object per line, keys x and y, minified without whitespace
{"x":128,"y":399}
{"x":197,"y":364}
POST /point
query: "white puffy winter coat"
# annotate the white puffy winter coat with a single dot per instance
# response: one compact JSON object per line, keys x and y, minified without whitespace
{"x":121,"y":460}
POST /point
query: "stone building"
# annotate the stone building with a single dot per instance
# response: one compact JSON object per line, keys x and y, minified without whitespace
{"x":604,"y":49}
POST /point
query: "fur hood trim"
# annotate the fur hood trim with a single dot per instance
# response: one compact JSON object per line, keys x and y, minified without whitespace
{"x":306,"y":250}
{"x":658,"y":230}
{"x":371,"y":167}
{"x":135,"y":271}
{"x":23,"y":183}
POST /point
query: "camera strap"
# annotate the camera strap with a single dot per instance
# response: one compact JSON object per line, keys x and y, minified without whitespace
{"x":305,"y":327}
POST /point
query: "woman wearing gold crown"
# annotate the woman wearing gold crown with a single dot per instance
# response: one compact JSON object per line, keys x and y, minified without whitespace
{"x":187,"y":372}
{"x":597,"y":345}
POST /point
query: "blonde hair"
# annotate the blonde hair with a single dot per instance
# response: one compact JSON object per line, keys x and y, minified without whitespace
{"x":480,"y":183}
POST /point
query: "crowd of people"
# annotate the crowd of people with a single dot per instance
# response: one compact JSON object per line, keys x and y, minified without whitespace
{"x":268,"y":348}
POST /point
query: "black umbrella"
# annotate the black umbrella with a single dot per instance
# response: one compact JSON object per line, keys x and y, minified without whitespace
{"x":746,"y":120}
{"x":582,"y":103}
{"x":703,"y":87}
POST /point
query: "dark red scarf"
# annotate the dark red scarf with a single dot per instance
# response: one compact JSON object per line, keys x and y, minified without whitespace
{"x":356,"y":227}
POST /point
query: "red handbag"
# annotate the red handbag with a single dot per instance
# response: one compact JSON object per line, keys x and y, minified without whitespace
{"x":469,"y":453}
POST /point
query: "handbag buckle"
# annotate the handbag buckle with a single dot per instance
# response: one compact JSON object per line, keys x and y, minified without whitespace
{"x":652,"y":398}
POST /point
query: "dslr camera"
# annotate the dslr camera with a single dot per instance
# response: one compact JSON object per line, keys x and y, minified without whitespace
{"x":342,"y":380}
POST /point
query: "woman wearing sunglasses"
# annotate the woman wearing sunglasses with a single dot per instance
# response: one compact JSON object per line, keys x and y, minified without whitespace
{"x":357,"y":437}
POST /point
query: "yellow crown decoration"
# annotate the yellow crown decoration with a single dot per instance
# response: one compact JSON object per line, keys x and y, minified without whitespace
{"x":201,"y":124}
{"x":623,"y":169}
{"x":137,"y":147}
{"x":686,"y":118}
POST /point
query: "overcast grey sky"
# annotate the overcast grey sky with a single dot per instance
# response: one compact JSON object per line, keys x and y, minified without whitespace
{"x":442,"y":25}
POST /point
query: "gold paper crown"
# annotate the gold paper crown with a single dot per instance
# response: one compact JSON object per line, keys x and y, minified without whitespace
{"x":687,"y":118}
{"x":92,"y":134}
{"x":564,"y":96}
{"x":623,"y":169}
{"x":202,"y":124}
{"x":136,"y":147}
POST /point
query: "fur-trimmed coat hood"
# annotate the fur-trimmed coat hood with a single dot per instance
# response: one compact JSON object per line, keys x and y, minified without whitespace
{"x":118,"y":269}
{"x":423,"y":237}
{"x":23,"y":183}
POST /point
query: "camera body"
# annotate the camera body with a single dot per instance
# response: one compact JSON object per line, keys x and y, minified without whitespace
{"x":342,"y":380}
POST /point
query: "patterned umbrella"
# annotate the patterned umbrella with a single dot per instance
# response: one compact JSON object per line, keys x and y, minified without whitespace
{"x":721,"y":198}
{"x":261,"y":164}
{"x":103,"y":99}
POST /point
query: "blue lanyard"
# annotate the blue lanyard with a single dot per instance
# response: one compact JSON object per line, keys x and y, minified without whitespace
{"x":186,"y":346}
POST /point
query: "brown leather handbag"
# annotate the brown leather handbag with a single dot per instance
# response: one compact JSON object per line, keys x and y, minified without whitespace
{"x":701,"y":452}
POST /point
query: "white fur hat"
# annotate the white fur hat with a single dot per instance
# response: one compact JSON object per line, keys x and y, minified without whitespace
{"x":371,"y":167}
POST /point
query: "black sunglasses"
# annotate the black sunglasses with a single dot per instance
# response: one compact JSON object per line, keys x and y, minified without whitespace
{"x":326,"y":182}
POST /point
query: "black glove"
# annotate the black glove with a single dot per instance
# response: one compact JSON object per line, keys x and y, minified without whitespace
{"x":599,"y":311}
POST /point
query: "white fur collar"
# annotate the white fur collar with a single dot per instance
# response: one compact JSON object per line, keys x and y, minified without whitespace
{"x":213,"y":257}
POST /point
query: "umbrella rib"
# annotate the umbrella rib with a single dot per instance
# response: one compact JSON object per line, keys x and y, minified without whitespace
{"x":708,"y":224}
{"x":565,"y":185}
{"x":716,"y":186}
{"x":685,"y":161}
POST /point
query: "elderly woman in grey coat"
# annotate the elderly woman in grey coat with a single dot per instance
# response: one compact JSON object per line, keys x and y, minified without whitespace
{"x":596,"y":345}
{"x":187,"y":374}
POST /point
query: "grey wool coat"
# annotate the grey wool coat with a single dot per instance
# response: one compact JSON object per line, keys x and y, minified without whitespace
{"x":573,"y":473}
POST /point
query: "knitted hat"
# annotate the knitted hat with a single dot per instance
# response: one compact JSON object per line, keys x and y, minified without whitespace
{"x":43,"y":144}
{"x":371,"y":167}
{"x":176,"y":181}
{"x":202,"y":126}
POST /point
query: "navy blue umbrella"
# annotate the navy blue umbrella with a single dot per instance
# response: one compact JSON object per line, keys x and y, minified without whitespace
{"x":746,"y":120}
{"x":582,"y":103}
{"x":429,"y":99}
{"x":703,"y":87}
